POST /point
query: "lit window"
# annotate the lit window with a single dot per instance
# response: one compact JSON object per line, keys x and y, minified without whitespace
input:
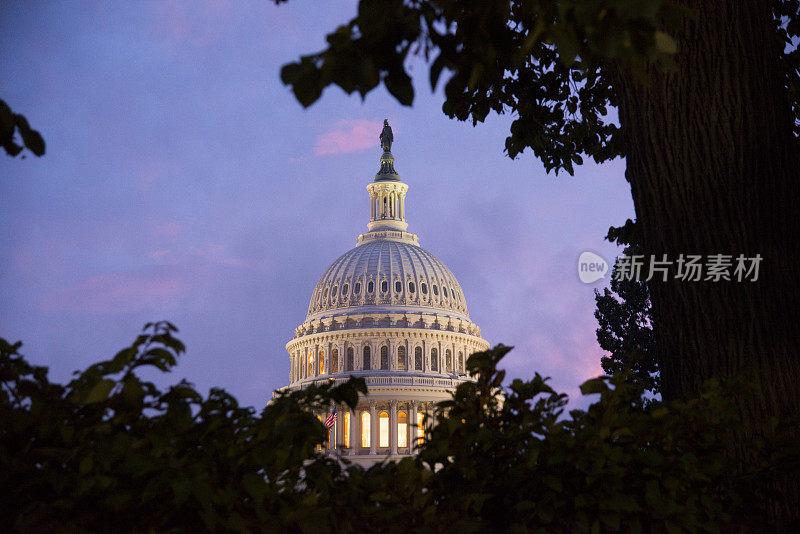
{"x":322,"y":362}
{"x":370,"y":287}
{"x":434,"y":360}
{"x":383,"y":429}
{"x":401,"y":358}
{"x":398,"y":286}
{"x":365,"y":429}
{"x":367,"y":362}
{"x":384,"y":286}
{"x":357,"y":288}
{"x":418,"y":358}
{"x":310,"y":364}
{"x":435,"y":290}
{"x":411,"y":287}
{"x":424,"y":287}
{"x":347,"y":429}
{"x":420,"y":428}
{"x":335,"y":361}
{"x":384,"y":357}
{"x":402,"y":429}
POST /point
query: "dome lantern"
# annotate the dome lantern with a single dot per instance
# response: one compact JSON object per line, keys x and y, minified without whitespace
{"x":387,"y":194}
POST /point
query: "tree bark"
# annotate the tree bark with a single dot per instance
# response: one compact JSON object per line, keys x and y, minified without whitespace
{"x":715,"y":169}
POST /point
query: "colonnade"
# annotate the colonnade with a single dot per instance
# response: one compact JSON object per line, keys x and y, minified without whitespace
{"x":349,"y":435}
{"x":443,"y":357}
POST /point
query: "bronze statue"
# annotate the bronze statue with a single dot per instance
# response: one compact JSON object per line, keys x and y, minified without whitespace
{"x":386,"y":136}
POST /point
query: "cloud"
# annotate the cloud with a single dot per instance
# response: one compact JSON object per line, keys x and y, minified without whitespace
{"x":349,"y":136}
{"x":168,"y":229}
{"x":119,"y":293}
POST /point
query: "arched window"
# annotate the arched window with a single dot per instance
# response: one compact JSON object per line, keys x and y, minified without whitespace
{"x":444,"y":291}
{"x":461,"y":362}
{"x":384,"y":286}
{"x":365,"y":429}
{"x":435,"y":290}
{"x":424,"y":287}
{"x":350,"y":358}
{"x":434,"y":360}
{"x":347,"y":429}
{"x":322,"y":362}
{"x":398,"y":286}
{"x":448,"y":361}
{"x":335,"y":361}
{"x":370,"y":287}
{"x":418,"y":358}
{"x":383,"y":429}
{"x":384,"y":357}
{"x":401,"y":358}
{"x":367,"y":364}
{"x":310,"y":364}
{"x":402,"y":429}
{"x":420,"y":428}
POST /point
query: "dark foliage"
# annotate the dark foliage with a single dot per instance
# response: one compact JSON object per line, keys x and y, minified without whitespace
{"x":12,"y":124}
{"x":110,"y":452}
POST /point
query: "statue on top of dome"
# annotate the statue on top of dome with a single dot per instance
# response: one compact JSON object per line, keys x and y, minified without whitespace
{"x":386,"y":136}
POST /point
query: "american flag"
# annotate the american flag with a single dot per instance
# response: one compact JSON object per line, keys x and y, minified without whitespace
{"x":331,"y":419}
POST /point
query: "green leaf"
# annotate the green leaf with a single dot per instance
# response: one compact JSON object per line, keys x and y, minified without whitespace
{"x":665,"y":43}
{"x":99,"y":391}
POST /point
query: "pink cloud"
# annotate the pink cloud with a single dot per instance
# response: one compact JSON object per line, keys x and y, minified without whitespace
{"x":349,"y":136}
{"x":118,"y":293}
{"x":168,"y":229}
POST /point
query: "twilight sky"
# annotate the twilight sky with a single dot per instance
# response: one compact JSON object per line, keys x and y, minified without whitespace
{"x":182,"y":181}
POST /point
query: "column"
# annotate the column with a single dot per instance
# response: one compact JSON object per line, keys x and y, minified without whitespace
{"x":403,"y":207}
{"x":355,"y":432}
{"x":373,"y":423}
{"x":412,"y":426}
{"x":393,"y":427}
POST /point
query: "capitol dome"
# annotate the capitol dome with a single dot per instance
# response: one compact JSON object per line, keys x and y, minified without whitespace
{"x":390,"y":274}
{"x":392,"y":313}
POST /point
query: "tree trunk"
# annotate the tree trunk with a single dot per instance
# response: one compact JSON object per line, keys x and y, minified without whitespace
{"x":715,"y":169}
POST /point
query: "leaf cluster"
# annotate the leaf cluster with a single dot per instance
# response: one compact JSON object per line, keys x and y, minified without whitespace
{"x":13,"y":123}
{"x":556,"y":65}
{"x":109,"y":451}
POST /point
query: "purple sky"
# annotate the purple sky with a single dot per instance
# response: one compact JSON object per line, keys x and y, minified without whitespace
{"x":182,"y":181}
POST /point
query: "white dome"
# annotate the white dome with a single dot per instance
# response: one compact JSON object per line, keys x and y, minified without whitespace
{"x":394,"y":276}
